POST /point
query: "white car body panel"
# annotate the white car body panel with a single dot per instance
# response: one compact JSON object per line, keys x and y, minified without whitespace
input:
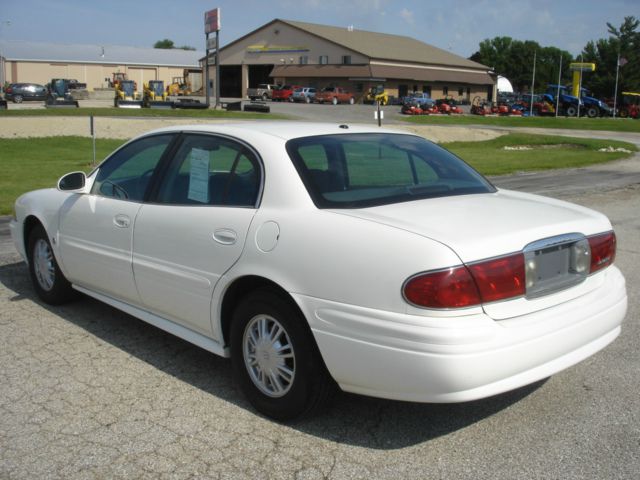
{"x":177,"y":282}
{"x":98,"y":253}
{"x":345,"y":270}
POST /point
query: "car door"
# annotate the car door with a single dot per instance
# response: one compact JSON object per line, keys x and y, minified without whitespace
{"x":195,"y":227}
{"x":96,"y":229}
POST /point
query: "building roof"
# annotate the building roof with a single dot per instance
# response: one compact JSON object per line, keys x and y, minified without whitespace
{"x":102,"y":54}
{"x":382,"y":73}
{"x":381,"y":46}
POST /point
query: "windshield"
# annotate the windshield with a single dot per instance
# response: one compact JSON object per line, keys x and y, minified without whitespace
{"x":362,"y":170}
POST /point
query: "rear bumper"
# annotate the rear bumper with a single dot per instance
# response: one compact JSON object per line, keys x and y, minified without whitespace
{"x":442,"y":360}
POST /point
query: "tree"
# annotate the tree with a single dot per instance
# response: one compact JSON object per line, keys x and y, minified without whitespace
{"x":514,"y":59}
{"x":623,"y":41}
{"x":169,"y":45}
{"x":165,"y":44}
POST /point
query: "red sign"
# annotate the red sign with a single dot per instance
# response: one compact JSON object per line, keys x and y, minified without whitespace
{"x":212,"y":20}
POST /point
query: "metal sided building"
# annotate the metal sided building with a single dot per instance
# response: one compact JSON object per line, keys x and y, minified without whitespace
{"x":285,"y":51}
{"x":36,"y":62}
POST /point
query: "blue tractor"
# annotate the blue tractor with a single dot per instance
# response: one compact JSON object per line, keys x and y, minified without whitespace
{"x":594,"y":107}
{"x":567,"y":104}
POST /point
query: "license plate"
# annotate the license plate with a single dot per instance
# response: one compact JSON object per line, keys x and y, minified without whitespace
{"x":556,"y":263}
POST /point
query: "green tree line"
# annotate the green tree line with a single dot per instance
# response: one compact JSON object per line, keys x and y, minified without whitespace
{"x":514,"y":60}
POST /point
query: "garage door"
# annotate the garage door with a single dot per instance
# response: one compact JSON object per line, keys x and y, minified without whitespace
{"x":141,"y":75}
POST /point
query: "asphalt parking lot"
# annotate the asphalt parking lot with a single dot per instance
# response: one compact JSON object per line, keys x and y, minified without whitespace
{"x":89,"y":392}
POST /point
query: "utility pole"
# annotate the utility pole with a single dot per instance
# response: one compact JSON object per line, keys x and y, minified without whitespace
{"x":533,"y":82}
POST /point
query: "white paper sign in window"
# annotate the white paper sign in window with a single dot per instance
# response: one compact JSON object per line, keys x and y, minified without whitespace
{"x":199,"y":176}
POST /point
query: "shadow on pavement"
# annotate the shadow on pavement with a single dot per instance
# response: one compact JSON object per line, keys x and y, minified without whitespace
{"x":351,"y":419}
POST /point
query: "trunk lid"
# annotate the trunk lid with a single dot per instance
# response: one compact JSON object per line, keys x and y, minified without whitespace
{"x":484,"y":226}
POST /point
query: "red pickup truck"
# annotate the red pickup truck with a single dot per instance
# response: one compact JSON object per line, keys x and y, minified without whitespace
{"x":284,"y":93}
{"x":335,"y":95}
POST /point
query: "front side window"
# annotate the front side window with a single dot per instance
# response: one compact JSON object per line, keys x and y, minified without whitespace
{"x":211,"y":170}
{"x":127,"y":173}
{"x":361,"y":170}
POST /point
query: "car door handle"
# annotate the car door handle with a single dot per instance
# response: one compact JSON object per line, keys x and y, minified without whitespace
{"x":121,"y":221}
{"x":225,"y":236}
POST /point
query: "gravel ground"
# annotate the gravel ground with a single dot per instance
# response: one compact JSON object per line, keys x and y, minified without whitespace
{"x":107,"y":127}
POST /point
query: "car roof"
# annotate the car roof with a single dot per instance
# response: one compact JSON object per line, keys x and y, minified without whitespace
{"x":279,"y":129}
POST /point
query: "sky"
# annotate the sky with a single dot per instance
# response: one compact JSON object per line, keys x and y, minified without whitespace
{"x":455,"y":25}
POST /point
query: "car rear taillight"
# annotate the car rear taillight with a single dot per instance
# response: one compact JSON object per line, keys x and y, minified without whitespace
{"x":467,"y":286}
{"x":533,"y":273}
{"x":500,"y":278}
{"x":8,"y":90}
{"x":450,"y":288}
{"x":603,"y":251}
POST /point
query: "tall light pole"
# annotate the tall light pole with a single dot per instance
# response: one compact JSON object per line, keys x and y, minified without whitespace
{"x":2,"y":75}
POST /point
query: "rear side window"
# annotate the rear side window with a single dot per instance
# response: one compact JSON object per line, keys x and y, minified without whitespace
{"x":211,"y":170}
{"x":360,"y":170}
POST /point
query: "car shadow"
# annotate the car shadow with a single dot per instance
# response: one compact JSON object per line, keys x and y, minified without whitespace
{"x":350,"y":419}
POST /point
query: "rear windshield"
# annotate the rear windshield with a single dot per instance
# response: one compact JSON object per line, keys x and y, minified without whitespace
{"x":362,"y":170}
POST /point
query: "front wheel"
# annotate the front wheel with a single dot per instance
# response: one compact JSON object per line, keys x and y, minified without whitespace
{"x":48,"y":281}
{"x":275,"y":360}
{"x":592,"y":112}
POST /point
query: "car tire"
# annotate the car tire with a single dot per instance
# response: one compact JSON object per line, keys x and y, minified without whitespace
{"x":352,"y":101}
{"x":282,"y":375}
{"x":334,"y":100}
{"x":48,"y":280}
{"x":17,"y":99}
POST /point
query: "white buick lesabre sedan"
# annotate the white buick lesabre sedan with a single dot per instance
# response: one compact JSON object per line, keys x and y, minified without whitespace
{"x":312,"y":254}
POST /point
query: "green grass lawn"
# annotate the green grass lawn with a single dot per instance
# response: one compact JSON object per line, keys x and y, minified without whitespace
{"x":603,"y":124}
{"x":547,"y":152}
{"x":31,"y":163}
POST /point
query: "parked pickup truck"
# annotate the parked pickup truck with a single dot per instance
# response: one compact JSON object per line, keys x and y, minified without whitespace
{"x":419,"y":99}
{"x":263,"y":92}
{"x":284,"y":93}
{"x":335,"y":95}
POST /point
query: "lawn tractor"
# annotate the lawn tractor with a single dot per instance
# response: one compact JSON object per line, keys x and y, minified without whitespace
{"x":155,"y":95}
{"x":377,"y":94}
{"x":480,"y":107}
{"x":448,"y":106}
{"x":630,"y":107}
{"x":126,"y":95}
{"x":59,"y":95}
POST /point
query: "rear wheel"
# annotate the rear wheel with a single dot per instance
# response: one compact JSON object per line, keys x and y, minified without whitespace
{"x":48,"y":281}
{"x":275,"y":359}
{"x":571,"y":111}
{"x":592,"y":112}
{"x":17,"y":99}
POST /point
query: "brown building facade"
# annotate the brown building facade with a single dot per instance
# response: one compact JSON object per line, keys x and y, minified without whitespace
{"x":284,"y":51}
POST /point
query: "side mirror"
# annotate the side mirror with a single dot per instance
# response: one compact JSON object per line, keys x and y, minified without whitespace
{"x":72,"y":181}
